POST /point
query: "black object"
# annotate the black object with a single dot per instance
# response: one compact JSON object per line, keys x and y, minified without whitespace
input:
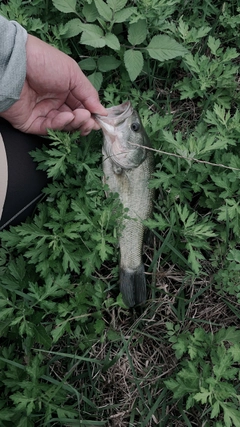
{"x":25,"y":182}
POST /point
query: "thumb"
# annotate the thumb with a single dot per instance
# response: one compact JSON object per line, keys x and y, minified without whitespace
{"x":92,"y":104}
{"x":86,"y":94}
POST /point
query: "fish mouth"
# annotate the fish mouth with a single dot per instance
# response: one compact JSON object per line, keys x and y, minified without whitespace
{"x":116,"y":115}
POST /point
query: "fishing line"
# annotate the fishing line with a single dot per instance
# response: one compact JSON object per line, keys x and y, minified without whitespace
{"x":186,"y":158}
{"x":174,"y":155}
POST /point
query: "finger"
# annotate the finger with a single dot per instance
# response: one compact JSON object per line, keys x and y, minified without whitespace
{"x":84,"y":93}
{"x":58,"y":121}
{"x":83,"y":122}
{"x":87,"y":127}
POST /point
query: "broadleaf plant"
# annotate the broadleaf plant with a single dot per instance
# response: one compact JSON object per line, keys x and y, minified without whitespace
{"x":102,"y":30}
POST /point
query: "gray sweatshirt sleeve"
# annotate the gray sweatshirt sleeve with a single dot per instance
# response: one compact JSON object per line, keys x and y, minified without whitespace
{"x":13,"y":39}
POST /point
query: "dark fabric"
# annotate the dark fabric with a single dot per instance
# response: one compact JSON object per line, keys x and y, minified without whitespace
{"x":24,"y":181}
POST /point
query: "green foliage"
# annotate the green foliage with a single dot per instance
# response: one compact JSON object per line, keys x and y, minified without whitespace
{"x":47,"y":291}
{"x":207,"y":372}
{"x":74,"y":230}
{"x":227,"y":278}
{"x":200,"y":175}
{"x":103,"y":28}
{"x":214,"y":76}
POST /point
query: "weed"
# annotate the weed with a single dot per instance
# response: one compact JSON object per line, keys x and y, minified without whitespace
{"x":210,"y":376}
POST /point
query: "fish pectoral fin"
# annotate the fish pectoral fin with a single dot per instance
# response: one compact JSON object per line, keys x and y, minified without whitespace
{"x":133,"y":286}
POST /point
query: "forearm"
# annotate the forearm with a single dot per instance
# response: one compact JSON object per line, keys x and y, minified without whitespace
{"x":12,"y":62}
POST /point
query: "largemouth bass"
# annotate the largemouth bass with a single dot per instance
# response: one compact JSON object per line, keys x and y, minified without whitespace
{"x":127,"y":167}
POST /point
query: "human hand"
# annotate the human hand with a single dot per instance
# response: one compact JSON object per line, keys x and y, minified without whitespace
{"x":56,"y":94}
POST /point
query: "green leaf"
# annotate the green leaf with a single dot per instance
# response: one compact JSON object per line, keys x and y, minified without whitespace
{"x":235,"y":352}
{"x":60,"y":330}
{"x":73,"y":28}
{"x":103,"y":9}
{"x":181,"y":346}
{"x":163,"y":47}
{"x":137,"y":32}
{"x":65,"y":6}
{"x":90,"y":12}
{"x":123,"y":15}
{"x":183,"y":28}
{"x":187,"y":382}
{"x":88,"y":64}
{"x":112,"y":41}
{"x":104,"y":249}
{"x":5,"y":414}
{"x":202,"y":396}
{"x":18,"y":268}
{"x":117,"y":4}
{"x":231,"y":53}
{"x":172,"y":384}
{"x":120,"y":302}
{"x":70,"y":259}
{"x":133,"y":60}
{"x":96,"y":79}
{"x":99,"y":326}
{"x":6,"y":312}
{"x":222,"y":114}
{"x":190,"y":402}
{"x":113,"y":335}
{"x":24,"y":422}
{"x":41,"y":336}
{"x":108,"y":63}
{"x":93,"y":36}
{"x":215,"y":410}
{"x":212,"y":146}
{"x":231,"y":415}
{"x":230,"y":334}
{"x":234,"y":255}
{"x":193,"y":258}
{"x":213,"y":44}
{"x":23,"y":403}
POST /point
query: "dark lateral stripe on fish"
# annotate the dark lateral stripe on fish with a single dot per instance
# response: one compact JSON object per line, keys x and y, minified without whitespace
{"x":133,"y":286}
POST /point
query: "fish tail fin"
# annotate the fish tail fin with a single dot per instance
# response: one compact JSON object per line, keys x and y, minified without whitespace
{"x":133,"y":286}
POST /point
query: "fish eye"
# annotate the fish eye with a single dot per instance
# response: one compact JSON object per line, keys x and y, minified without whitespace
{"x":135,"y":126}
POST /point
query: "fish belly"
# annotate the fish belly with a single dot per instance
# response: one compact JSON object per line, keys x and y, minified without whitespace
{"x":132,"y":187}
